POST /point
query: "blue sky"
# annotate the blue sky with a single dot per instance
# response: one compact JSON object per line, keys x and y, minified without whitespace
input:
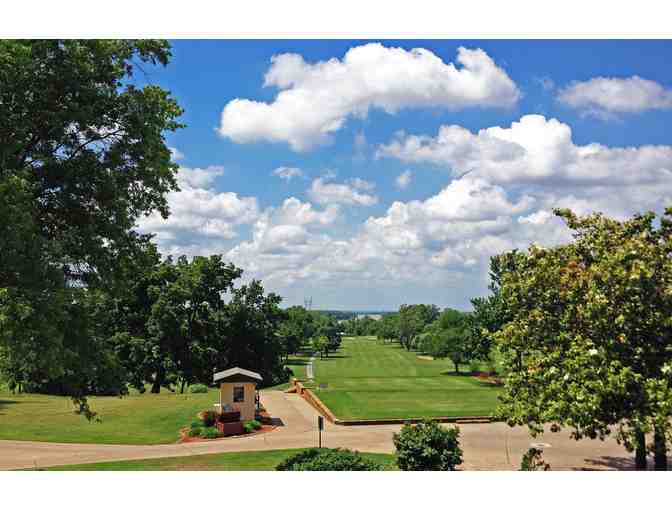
{"x":491,"y":143}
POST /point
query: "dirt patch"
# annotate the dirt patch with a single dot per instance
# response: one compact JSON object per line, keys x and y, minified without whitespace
{"x":184,"y":435}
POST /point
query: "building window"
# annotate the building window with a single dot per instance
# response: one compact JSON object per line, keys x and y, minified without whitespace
{"x":239,"y":394}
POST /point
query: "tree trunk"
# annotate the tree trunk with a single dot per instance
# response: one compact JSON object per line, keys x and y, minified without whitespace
{"x":184,"y":382}
{"x":659,"y":450}
{"x":640,"y":451}
{"x":158,"y":381}
{"x":457,"y":368}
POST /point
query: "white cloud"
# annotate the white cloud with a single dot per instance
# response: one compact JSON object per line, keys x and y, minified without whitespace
{"x":287,"y":172}
{"x":175,"y":154}
{"x":403,"y":180}
{"x":605,"y":97}
{"x":361,"y":184}
{"x":533,"y":150}
{"x":324,"y":192}
{"x":315,"y":100}
{"x":199,"y":215}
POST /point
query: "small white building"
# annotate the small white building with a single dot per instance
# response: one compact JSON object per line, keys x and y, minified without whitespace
{"x":238,"y":390}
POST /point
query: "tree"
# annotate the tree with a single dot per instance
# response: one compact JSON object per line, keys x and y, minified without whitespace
{"x":589,"y":342}
{"x":449,"y":337}
{"x":296,"y":329}
{"x":388,"y":329}
{"x":321,"y":345}
{"x":327,"y":327}
{"x":428,"y":447}
{"x":82,"y":157}
{"x":412,"y":320}
{"x":489,"y":314}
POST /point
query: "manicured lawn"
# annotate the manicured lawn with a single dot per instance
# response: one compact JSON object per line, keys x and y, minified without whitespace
{"x":134,"y":419}
{"x":297,"y":364}
{"x":367,"y":379}
{"x":239,"y":461}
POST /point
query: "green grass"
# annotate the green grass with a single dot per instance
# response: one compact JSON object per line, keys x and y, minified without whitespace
{"x":239,"y":461}
{"x":367,"y":379}
{"x":134,"y":419}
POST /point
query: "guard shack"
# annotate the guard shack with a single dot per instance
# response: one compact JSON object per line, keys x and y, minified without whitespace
{"x":238,"y":391}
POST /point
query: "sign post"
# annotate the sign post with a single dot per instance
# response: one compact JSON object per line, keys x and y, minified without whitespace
{"x":320,"y":427}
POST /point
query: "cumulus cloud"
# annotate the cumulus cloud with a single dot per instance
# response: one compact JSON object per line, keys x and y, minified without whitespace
{"x":199,"y":213}
{"x":534,"y":149}
{"x":606,"y":97}
{"x":287,"y":172}
{"x":315,"y":100}
{"x":324,"y":192}
{"x":403,"y":180}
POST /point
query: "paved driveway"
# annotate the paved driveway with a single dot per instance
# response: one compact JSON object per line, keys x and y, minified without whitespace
{"x":492,"y":446}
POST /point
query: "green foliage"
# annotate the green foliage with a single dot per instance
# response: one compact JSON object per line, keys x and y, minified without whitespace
{"x":325,"y":459}
{"x":296,"y":328}
{"x":197,"y":424}
{"x":589,"y":340}
{"x":428,"y":447}
{"x":448,"y":337}
{"x":210,"y":433}
{"x":256,"y":425}
{"x":82,"y":157}
{"x":248,"y":427}
{"x":321,"y":344}
{"x":413,"y":319}
{"x":195,"y":431}
{"x":532,"y":461}
{"x":198,"y":388}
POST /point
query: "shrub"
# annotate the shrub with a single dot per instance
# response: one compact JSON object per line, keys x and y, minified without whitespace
{"x":208,"y":416}
{"x":196,"y":424}
{"x":254,"y":424}
{"x":210,"y":433}
{"x":195,"y":431}
{"x":247,"y":427}
{"x":325,"y":459}
{"x":428,"y":447}
{"x":198,"y":388}
{"x":532,"y":461}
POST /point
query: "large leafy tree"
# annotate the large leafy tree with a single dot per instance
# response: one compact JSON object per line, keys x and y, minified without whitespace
{"x":589,"y":341}
{"x":82,"y":157}
{"x":412,"y":321}
{"x":296,"y":329}
{"x":449,"y":337}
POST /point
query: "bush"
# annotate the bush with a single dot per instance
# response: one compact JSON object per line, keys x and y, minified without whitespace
{"x":325,"y":459}
{"x":198,"y":388}
{"x":428,"y":447}
{"x":254,"y":424}
{"x":247,"y":427}
{"x":208,"y":416}
{"x":195,"y":431}
{"x":532,"y":461}
{"x":210,"y":433}
{"x":196,"y":424}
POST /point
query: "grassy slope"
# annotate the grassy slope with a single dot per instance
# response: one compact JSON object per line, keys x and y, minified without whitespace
{"x":367,"y":379}
{"x":135,"y":419}
{"x":239,"y":461}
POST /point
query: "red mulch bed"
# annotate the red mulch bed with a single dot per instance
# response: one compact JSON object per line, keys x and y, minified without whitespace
{"x":184,"y":435}
{"x":488,"y":378}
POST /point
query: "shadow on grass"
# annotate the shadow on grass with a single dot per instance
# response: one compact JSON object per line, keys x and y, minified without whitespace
{"x":6,"y":403}
{"x":609,"y":462}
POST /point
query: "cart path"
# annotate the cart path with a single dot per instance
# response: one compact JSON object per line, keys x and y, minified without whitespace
{"x":491,"y":446}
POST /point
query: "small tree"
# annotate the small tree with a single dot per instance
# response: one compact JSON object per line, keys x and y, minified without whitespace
{"x":321,"y":345}
{"x":428,"y":447}
{"x":532,"y":461}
